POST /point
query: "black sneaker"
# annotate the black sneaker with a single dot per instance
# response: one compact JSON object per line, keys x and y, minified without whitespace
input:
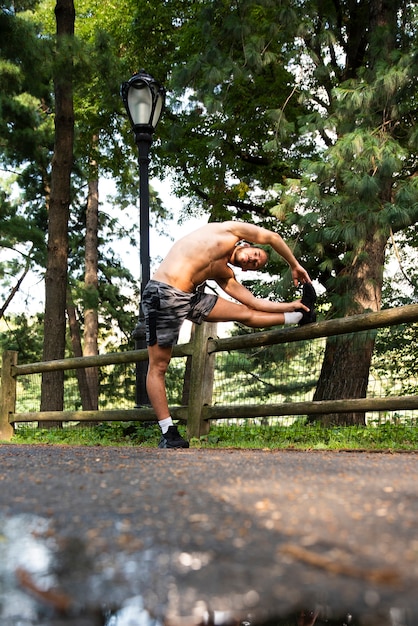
{"x":308,"y":299}
{"x":172,"y":439}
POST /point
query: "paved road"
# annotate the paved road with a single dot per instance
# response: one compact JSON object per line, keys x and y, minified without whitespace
{"x":134,"y":537}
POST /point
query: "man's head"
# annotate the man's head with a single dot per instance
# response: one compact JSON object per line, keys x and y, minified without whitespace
{"x":248,"y":257}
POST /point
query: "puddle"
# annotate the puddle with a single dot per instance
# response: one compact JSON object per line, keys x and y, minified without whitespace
{"x":46,"y":581}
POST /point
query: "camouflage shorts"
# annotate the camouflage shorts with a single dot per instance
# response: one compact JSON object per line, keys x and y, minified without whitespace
{"x":165,"y":309}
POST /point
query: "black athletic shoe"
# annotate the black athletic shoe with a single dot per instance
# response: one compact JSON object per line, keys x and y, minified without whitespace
{"x":308,"y":299}
{"x":172,"y":439}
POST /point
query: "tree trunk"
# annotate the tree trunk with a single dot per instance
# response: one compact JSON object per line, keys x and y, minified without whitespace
{"x":52,"y":393}
{"x":91,"y":322}
{"x":347,"y":359}
{"x":83,"y":387}
{"x":346,"y":365}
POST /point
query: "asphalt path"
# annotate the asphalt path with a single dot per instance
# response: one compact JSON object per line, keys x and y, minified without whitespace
{"x":127,"y":536}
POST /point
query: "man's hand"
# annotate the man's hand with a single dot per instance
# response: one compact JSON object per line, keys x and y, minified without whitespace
{"x":297,"y":305}
{"x":300,"y":275}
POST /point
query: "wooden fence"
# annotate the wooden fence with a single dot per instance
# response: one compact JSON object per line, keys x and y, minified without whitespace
{"x":202,"y":349}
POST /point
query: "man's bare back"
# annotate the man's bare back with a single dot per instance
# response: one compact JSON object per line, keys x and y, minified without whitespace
{"x":206,"y":254}
{"x":197,"y":257}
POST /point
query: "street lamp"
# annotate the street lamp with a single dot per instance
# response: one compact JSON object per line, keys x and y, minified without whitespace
{"x":143,"y":98}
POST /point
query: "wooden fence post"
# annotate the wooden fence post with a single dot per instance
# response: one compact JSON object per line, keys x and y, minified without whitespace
{"x":201,"y":380}
{"x":8,"y":394}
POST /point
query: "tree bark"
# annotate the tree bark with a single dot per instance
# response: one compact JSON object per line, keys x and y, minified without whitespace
{"x":347,"y":359}
{"x":91,"y":322}
{"x":52,"y":393}
{"x":83,"y":387}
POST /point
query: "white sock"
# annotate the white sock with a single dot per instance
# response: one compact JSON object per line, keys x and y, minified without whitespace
{"x":164,"y":424}
{"x":292,"y":318}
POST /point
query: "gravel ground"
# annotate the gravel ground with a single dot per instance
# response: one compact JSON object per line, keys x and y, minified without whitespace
{"x":135,"y":536}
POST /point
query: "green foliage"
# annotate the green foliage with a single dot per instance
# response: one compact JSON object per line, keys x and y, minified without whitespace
{"x":24,"y":335}
{"x":387,"y":436}
{"x":299,"y":116}
{"x":26,"y":131}
{"x":285,"y":372}
{"x":241,"y":129}
{"x":105,"y":434}
{"x":236,"y":86}
{"x":314,"y":437}
{"x":357,"y":185}
{"x":25,"y":96}
{"x":394,"y":358}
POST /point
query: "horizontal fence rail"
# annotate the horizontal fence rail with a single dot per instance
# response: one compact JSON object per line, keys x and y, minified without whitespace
{"x":328,"y":328}
{"x":112,"y":358}
{"x":310,"y":408}
{"x":199,"y":410}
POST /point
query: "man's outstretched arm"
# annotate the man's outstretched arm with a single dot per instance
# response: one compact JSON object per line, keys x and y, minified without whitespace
{"x":263,"y":236}
{"x":240,"y":293}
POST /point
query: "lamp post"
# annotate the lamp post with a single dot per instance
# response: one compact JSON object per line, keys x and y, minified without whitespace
{"x":143,"y":98}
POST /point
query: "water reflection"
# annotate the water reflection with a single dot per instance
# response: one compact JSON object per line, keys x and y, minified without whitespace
{"x":49,"y":582}
{"x":132,"y":613}
{"x":23,"y":555}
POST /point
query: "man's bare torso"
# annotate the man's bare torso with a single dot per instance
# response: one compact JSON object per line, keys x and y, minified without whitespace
{"x":199,"y":256}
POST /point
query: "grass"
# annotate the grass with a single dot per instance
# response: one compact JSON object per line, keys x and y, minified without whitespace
{"x":299,"y":436}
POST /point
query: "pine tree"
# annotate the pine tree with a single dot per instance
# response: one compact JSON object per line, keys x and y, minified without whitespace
{"x":306,"y":111}
{"x":362,"y":186}
{"x":52,"y":393}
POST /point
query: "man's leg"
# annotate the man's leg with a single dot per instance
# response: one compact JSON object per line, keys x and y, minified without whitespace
{"x":226,"y":311}
{"x":159,"y":359}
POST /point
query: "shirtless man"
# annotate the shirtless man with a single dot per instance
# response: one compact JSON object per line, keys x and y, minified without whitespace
{"x":171,"y":296}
